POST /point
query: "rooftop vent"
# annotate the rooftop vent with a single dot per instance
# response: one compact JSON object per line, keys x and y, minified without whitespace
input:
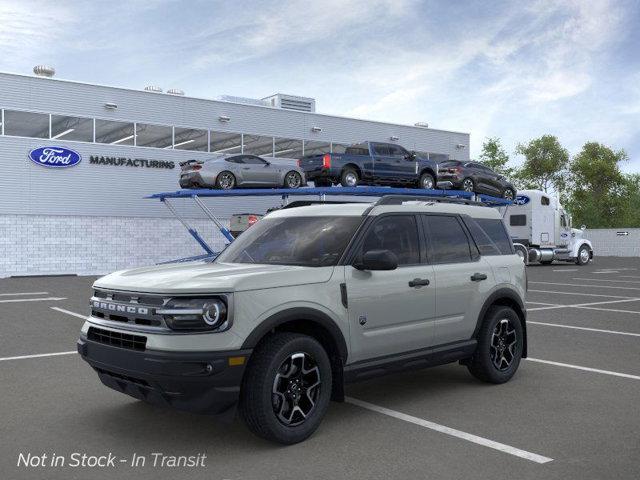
{"x":153,"y":88}
{"x":292,"y":102}
{"x":244,"y":100}
{"x":44,"y":71}
{"x":422,"y":124}
{"x":175,"y":91}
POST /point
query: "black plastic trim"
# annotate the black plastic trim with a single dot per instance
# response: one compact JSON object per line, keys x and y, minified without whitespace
{"x":416,"y":359}
{"x":297,"y":314}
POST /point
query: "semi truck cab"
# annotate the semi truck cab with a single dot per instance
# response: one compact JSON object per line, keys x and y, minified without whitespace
{"x":542,"y":232}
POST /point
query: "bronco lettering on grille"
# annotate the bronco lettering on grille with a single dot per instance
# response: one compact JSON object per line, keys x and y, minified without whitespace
{"x":114,"y":307}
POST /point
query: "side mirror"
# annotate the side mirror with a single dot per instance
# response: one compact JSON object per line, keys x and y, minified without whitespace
{"x":377,"y":260}
{"x":583,"y":227}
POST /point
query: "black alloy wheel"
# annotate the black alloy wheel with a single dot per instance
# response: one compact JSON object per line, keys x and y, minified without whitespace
{"x":468,"y":185}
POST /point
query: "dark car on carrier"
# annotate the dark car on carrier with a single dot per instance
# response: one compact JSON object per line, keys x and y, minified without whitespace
{"x":476,"y":177}
{"x":371,"y":163}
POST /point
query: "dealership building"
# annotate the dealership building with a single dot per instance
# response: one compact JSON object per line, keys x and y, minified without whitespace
{"x":92,"y":218}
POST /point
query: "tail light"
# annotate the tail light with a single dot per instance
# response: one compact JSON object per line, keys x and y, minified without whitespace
{"x":299,"y":162}
{"x":252,"y":219}
{"x":196,"y":167}
{"x":326,"y":160}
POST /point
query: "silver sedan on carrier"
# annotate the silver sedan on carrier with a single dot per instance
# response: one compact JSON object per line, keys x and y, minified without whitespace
{"x":240,"y":170}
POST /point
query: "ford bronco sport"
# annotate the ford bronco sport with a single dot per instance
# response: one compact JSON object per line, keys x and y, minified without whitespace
{"x":308,"y":299}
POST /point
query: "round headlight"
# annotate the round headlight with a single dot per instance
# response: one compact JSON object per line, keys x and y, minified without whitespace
{"x":214,"y":313}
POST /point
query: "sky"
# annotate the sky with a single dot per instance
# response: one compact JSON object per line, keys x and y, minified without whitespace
{"x":513,"y":70}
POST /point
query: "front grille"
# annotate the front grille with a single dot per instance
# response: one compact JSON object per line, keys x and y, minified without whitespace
{"x":131,"y":308}
{"x":117,"y":339}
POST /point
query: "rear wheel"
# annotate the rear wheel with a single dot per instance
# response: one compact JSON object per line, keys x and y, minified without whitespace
{"x":508,"y":194}
{"x":287,"y":388}
{"x":225,"y":181}
{"x":468,"y":185}
{"x":427,"y":181}
{"x":500,"y":344}
{"x":349,"y":178}
{"x":292,"y":179}
{"x":546,"y":262}
{"x":584,"y":255}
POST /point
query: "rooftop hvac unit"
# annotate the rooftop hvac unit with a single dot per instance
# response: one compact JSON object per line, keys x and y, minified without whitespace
{"x":44,"y":71}
{"x":292,"y":102}
{"x":175,"y":91}
{"x":153,"y":88}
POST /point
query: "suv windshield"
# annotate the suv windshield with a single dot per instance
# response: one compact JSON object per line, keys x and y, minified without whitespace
{"x":303,"y":241}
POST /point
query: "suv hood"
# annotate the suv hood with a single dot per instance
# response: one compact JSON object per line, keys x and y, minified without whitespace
{"x":205,"y":277}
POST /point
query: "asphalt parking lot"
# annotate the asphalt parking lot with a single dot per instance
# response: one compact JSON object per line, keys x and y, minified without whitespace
{"x":572,"y":410}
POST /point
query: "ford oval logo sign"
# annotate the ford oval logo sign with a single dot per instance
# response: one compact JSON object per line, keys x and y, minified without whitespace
{"x":56,"y":157}
{"x":521,"y":200}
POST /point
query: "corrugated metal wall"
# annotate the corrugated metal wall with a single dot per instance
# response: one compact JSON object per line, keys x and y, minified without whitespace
{"x":614,"y":242}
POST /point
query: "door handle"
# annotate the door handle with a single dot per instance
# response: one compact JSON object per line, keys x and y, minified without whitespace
{"x":477,"y":277}
{"x":246,"y":168}
{"x":419,"y":282}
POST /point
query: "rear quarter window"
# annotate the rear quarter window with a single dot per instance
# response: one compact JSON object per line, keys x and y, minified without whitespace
{"x":490,"y":236}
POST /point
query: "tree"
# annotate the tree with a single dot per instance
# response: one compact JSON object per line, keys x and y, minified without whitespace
{"x":495,"y":157}
{"x":545,"y":164}
{"x":600,"y":193}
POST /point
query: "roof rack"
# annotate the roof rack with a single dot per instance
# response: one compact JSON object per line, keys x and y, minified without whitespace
{"x":399,"y":199}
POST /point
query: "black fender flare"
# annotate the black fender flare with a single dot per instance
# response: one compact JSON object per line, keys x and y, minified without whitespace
{"x":511,"y":297}
{"x":299,"y":314}
{"x":430,"y":171}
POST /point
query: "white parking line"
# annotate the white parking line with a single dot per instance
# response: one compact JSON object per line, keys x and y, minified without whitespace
{"x":598,"y":330}
{"x":583,"y":294}
{"x":590,"y":286}
{"x":628,"y":276}
{"x":73,"y":314}
{"x":485,"y":442}
{"x":542,"y":303}
{"x":607,"y":309}
{"x":585,"y":305}
{"x":604,"y":280}
{"x":22,"y":357}
{"x":47,"y":299}
{"x":22,"y":293}
{"x":566,"y":269}
{"x":586,"y":369}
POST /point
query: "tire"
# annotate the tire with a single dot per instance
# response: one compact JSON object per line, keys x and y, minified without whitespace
{"x":260,"y":405}
{"x":546,"y":262}
{"x":509,"y":194}
{"x":322,"y":182}
{"x":349,"y":178}
{"x":584,"y":256}
{"x":225,"y":180}
{"x":468,"y":185}
{"x":427,"y":181}
{"x":292,"y":180}
{"x":483,"y":363}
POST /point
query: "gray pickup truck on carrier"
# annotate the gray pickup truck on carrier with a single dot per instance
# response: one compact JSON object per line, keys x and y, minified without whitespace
{"x":308,"y":299}
{"x":371,"y":163}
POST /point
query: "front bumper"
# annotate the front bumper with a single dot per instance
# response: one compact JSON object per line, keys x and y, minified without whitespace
{"x":199,"y":382}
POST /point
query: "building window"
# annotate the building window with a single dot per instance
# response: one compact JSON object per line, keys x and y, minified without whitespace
{"x":72,"y":128}
{"x":114,"y":133}
{"x":224,"y":142}
{"x":258,"y":145}
{"x":190,"y":139}
{"x":287,"y":148}
{"x":316,"y":148}
{"x":157,"y":136}
{"x":26,"y":124}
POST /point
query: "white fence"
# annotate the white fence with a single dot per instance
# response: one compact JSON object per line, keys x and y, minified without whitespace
{"x":614,"y":242}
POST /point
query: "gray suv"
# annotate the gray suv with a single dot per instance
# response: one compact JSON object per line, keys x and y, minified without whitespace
{"x":307,"y":300}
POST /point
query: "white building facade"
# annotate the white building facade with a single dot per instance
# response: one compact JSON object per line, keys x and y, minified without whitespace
{"x":92,"y":218}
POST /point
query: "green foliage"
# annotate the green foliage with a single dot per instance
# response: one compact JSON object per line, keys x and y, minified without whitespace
{"x":545,"y":164}
{"x":495,"y":157}
{"x":599,"y":192}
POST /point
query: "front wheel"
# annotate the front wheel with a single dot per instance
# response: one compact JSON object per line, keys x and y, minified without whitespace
{"x":500,"y":346}
{"x":427,"y":181}
{"x":292,"y":180}
{"x":468,"y":185}
{"x":508,"y":194}
{"x":584,"y":255}
{"x":286,"y":389}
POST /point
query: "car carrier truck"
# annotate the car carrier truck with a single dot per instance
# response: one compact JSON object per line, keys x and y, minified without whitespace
{"x":541,"y":230}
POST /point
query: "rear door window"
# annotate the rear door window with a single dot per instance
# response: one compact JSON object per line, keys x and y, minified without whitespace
{"x":447,"y":241}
